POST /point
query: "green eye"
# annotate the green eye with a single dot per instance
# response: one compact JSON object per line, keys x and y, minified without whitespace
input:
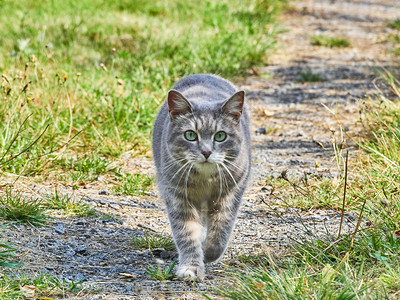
{"x":190,"y":135}
{"x":220,"y":136}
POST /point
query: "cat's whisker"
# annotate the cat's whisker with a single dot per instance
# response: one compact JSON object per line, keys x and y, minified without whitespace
{"x":168,"y":166}
{"x":186,"y":180}
{"x":220,"y":182}
{"x":235,"y":165}
{"x":230,"y":174}
{"x":225,"y":180}
{"x":188,"y":165}
{"x":177,"y":172}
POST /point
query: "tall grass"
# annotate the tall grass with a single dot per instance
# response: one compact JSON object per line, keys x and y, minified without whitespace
{"x":90,"y":75}
{"x":363,"y":264}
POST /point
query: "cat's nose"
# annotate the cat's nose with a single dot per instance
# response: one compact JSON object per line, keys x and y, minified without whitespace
{"x":206,"y":154}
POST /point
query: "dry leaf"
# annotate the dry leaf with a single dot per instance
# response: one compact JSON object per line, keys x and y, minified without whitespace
{"x":28,"y":290}
{"x":268,"y":113}
{"x":127,"y":275}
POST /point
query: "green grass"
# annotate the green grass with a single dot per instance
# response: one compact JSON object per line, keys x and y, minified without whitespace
{"x":152,"y":242}
{"x":68,"y":204}
{"x":6,"y":253}
{"x":85,"y":168}
{"x":80,"y":77}
{"x":362,"y":264}
{"x":308,"y":76}
{"x":330,"y":42}
{"x":395,"y":24}
{"x":42,"y":285}
{"x":17,"y":208}
{"x":159,"y":273}
{"x":133,"y":184}
{"x":253,"y":259}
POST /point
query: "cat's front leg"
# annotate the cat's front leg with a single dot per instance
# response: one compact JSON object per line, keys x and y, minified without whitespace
{"x":220,"y":224}
{"x":188,"y":234}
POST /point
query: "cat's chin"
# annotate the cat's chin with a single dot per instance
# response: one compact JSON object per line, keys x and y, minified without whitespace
{"x":206,"y":167}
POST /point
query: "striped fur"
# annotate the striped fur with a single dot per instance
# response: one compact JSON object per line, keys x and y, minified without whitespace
{"x":202,"y":194}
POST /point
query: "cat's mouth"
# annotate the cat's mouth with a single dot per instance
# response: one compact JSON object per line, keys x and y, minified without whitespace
{"x":207,"y":162}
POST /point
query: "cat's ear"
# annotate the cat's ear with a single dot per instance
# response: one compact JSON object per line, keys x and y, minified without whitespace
{"x":233,"y":107}
{"x":177,"y":104}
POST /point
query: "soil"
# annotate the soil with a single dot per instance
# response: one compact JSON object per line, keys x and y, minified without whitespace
{"x":294,"y":124}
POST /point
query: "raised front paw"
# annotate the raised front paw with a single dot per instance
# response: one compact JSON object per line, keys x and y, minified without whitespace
{"x":188,"y":272}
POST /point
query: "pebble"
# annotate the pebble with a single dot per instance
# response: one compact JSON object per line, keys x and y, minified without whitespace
{"x":59,"y":229}
{"x":261,"y":130}
{"x":114,"y":206}
{"x":104,"y":192}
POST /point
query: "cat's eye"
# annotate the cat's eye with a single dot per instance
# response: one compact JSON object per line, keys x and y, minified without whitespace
{"x":220,"y":136}
{"x":190,"y":135}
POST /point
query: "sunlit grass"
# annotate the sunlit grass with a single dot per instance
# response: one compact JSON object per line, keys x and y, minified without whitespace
{"x":84,"y":77}
{"x":136,"y":184}
{"x":330,"y":42}
{"x":17,"y":208}
{"x":361,"y":264}
{"x":152,"y":242}
{"x":43,"y":285}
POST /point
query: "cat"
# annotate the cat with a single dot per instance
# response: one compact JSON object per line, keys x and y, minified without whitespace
{"x":201,"y":150}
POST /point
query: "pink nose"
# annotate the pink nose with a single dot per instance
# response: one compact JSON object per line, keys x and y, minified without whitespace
{"x":206,"y":154}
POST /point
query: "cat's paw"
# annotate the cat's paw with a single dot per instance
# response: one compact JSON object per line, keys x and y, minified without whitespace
{"x":187,"y":272}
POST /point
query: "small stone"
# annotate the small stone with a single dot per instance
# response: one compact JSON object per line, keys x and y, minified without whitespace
{"x":59,"y":229}
{"x":81,"y":249}
{"x":157,"y":251}
{"x":114,"y":206}
{"x":266,"y":188}
{"x":104,"y":192}
{"x":261,"y":130}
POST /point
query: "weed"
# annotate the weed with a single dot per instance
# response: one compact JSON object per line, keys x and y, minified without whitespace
{"x":23,"y":286}
{"x":253,"y":259}
{"x":86,"y":168}
{"x":153,"y":241}
{"x":308,"y":76}
{"x":159,"y":273}
{"x":134,"y":184}
{"x":17,"y":208}
{"x":330,"y":42}
{"x":6,"y":254}
{"x":68,"y":204}
{"x":395,"y":24}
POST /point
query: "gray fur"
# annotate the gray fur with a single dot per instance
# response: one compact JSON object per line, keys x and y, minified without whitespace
{"x":202,"y":195}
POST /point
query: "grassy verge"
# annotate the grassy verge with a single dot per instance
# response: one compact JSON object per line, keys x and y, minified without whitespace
{"x":330,"y":42}
{"x":88,"y":76}
{"x":362,"y":264}
{"x":41,"y":286}
{"x":394,"y":38}
{"x":152,"y":242}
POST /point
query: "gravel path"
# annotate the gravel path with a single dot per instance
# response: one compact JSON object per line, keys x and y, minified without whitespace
{"x":299,"y":120}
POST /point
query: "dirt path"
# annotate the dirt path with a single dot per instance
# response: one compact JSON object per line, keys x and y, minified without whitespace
{"x":297,"y":124}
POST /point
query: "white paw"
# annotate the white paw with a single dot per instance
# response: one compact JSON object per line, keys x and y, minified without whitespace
{"x":187,"y":272}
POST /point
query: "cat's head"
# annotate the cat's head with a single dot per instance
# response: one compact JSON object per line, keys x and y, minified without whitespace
{"x":205,"y":133}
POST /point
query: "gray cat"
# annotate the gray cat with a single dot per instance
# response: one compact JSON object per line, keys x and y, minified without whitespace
{"x":201,"y":148}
